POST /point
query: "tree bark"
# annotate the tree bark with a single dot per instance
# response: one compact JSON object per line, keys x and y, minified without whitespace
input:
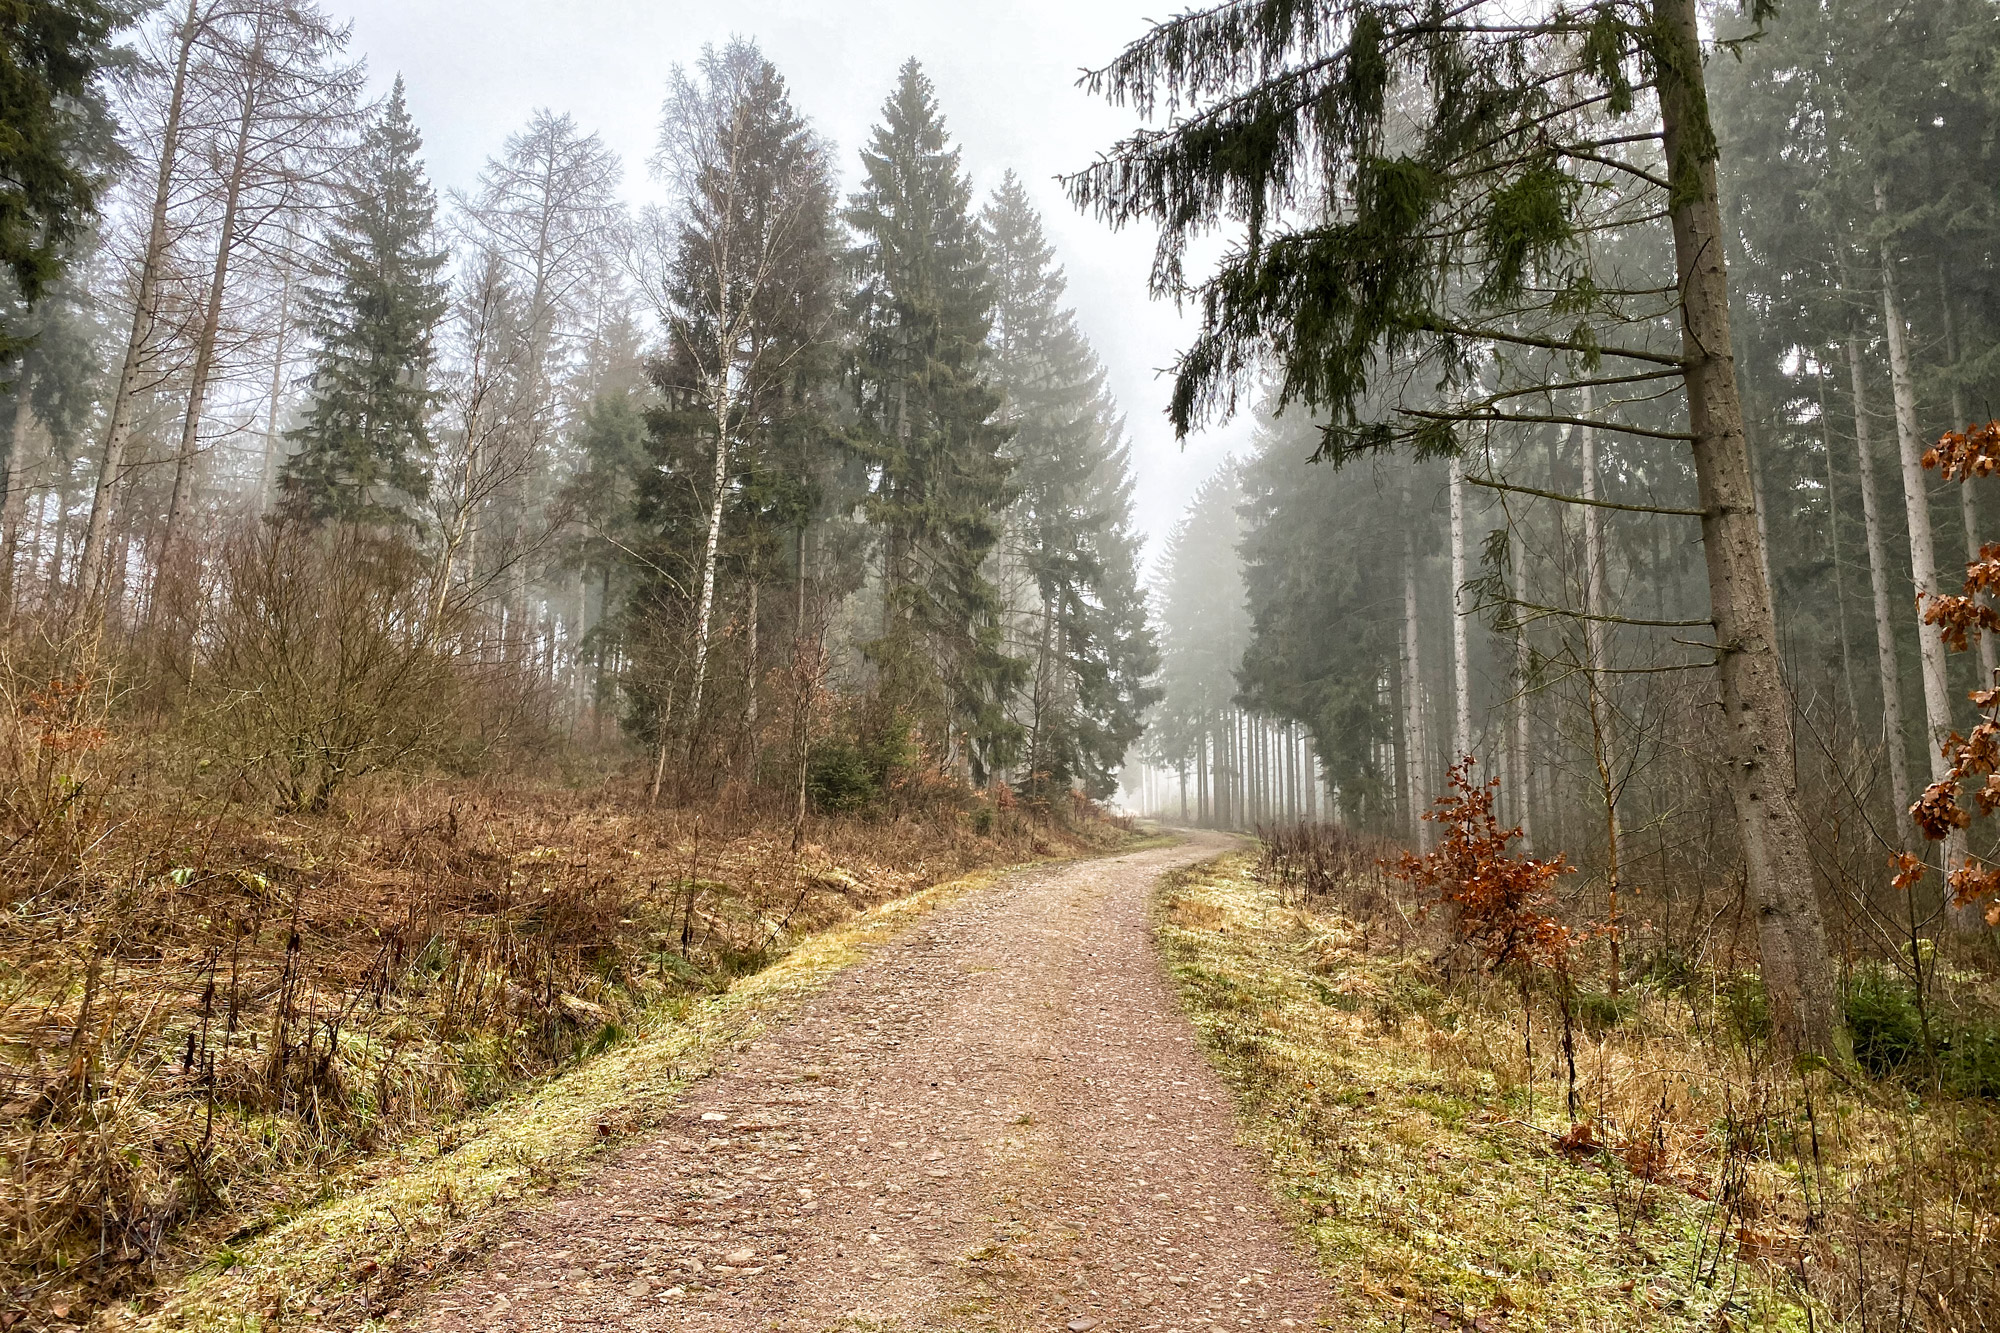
{"x":711,"y":552}
{"x":1523,"y":775}
{"x":267,"y":484}
{"x":16,"y":501}
{"x":1417,"y":761}
{"x":1756,"y":707}
{"x":1895,"y":743}
{"x":1923,"y":552}
{"x":211,"y":324}
{"x":1833,"y":549}
{"x":1461,"y":669}
{"x":1597,"y":602}
{"x":750,"y":684}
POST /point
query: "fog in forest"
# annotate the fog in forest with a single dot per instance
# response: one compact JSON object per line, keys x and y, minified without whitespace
{"x":518,"y":518}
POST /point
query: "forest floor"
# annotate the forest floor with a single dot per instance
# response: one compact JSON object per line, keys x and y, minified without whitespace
{"x":1149,"y":1092}
{"x":430,"y":1004}
{"x":1000,"y":1119}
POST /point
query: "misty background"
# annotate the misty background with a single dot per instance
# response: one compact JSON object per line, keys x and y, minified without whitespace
{"x":1007,"y":78}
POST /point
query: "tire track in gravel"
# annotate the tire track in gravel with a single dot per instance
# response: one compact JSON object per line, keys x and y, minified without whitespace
{"x":1001,"y":1120}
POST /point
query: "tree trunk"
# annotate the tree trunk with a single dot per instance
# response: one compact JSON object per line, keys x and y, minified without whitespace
{"x":1923,"y":553}
{"x":118,"y":418}
{"x":1894,"y":741}
{"x":1201,"y":780}
{"x":1597,"y":602}
{"x":165,"y":575}
{"x":1417,"y":760}
{"x":711,"y":551}
{"x":267,"y":484}
{"x":16,"y":501}
{"x":1756,"y":708}
{"x":1523,"y":774}
{"x":750,"y":684}
{"x":1461,"y":669}
{"x":1833,"y":549}
{"x":806,"y":679}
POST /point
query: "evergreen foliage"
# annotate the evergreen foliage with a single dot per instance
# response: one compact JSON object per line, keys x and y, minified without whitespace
{"x":1320,"y":583}
{"x":363,"y":448}
{"x":53,"y":122}
{"x":746,"y":288}
{"x":1089,"y":643}
{"x":928,"y":433}
{"x":1426,"y":209}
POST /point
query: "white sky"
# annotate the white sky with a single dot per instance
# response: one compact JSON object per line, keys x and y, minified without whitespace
{"x":1005,"y":72}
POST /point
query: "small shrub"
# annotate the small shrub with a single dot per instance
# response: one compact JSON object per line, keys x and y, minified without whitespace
{"x":1748,"y":1009}
{"x":1958,"y":1056}
{"x":1599,"y":1012}
{"x":838,"y":778}
{"x":1887,"y":1027}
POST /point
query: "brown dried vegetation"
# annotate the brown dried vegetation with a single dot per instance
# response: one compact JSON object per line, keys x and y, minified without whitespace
{"x":209,"y":1014}
{"x":1539,"y":1154}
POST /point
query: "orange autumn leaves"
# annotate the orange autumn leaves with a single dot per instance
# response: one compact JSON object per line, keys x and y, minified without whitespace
{"x":1974,"y":774}
{"x":1501,"y":899}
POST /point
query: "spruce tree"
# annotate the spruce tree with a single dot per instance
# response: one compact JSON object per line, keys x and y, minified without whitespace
{"x":54,"y":132}
{"x":362,"y":450}
{"x":1091,"y":649}
{"x":927,"y":431}
{"x":1414,"y":190}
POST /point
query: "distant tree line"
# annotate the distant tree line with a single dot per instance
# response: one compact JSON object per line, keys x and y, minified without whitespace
{"x":824,"y":497}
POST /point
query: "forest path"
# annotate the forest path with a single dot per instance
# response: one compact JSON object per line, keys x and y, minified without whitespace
{"x":1000,"y":1121}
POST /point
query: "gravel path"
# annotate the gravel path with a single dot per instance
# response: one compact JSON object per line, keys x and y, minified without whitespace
{"x":1000,"y":1121}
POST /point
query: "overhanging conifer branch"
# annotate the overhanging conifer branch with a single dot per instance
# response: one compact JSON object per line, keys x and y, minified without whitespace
{"x":1492,"y":484}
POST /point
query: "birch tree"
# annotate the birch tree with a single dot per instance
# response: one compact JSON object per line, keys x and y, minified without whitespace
{"x":738,"y":270}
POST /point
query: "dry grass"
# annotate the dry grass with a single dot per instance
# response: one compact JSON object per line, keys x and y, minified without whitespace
{"x":402,"y":1219}
{"x":213,"y":1020}
{"x":1421,"y":1129}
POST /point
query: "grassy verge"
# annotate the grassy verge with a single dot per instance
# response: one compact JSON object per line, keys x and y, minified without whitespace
{"x":401,"y":1219}
{"x":1439,"y":1183}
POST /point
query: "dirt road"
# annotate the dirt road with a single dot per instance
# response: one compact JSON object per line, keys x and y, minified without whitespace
{"x":1001,"y":1121}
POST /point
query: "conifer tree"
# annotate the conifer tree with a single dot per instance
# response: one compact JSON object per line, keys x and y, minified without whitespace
{"x":928,"y":433}
{"x":363,"y":447}
{"x":743,"y":280}
{"x":1071,"y":522}
{"x":1410,"y":187}
{"x":52,"y":119}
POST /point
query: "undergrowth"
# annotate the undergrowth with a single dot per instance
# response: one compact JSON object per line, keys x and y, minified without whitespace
{"x":1419,"y":1124}
{"x":213,"y":1020}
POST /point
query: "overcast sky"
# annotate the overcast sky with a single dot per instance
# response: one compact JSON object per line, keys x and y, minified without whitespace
{"x":1005,"y":72}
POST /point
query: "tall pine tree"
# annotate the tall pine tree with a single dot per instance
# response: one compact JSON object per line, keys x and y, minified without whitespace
{"x":362,"y":449}
{"x":926,"y":428}
{"x":1089,"y":644}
